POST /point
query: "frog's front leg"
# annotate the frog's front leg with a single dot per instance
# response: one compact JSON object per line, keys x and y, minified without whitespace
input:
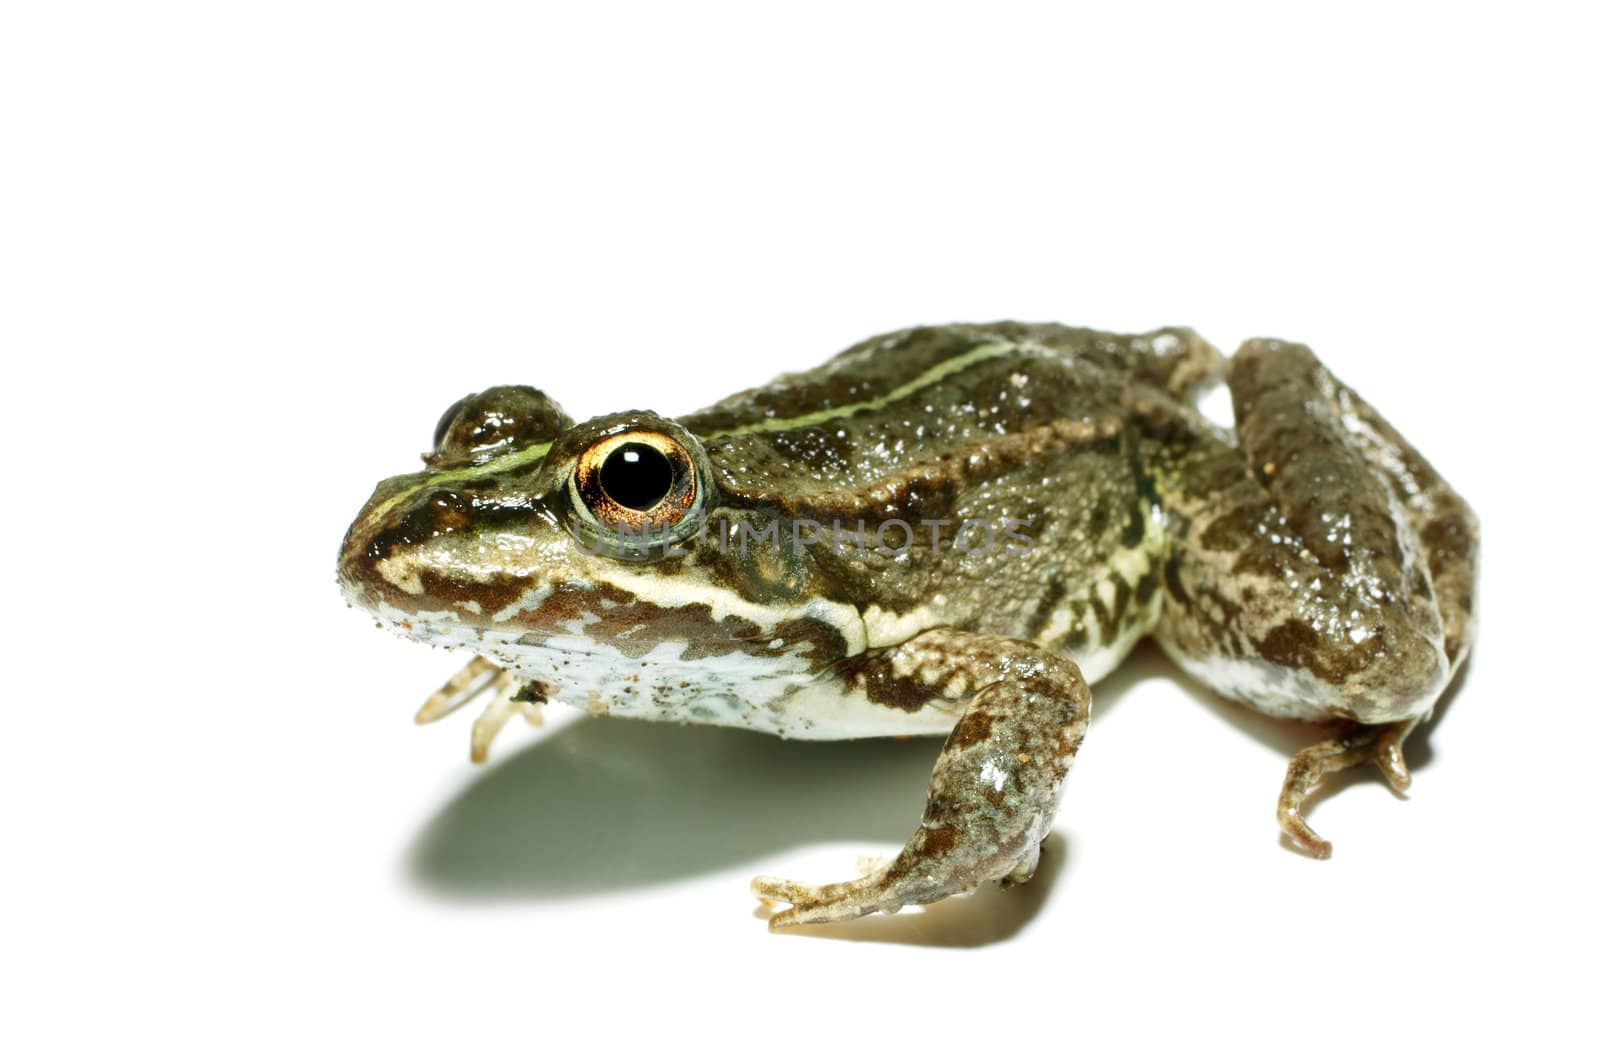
{"x":1319,"y":570}
{"x":512,"y":696}
{"x":995,"y":787}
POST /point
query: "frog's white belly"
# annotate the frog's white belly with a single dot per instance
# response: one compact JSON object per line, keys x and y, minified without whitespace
{"x":740,"y":690}
{"x":776,"y":693}
{"x":779,"y":693}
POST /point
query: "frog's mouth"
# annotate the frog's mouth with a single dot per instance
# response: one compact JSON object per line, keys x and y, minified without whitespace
{"x":640,"y":644}
{"x":673,"y":679}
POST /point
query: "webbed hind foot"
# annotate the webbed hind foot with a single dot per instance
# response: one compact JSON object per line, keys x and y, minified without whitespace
{"x":1378,"y":743}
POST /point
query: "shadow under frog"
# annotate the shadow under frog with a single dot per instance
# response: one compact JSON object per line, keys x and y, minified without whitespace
{"x":609,"y":804}
{"x":606,"y":804}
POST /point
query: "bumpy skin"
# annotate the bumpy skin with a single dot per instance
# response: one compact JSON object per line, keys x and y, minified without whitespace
{"x":1321,"y":569}
{"x":995,"y":786}
{"x":1311,"y":565}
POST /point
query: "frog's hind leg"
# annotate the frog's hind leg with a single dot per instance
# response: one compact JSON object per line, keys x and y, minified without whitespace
{"x":1320,"y":570}
{"x":995,"y":788}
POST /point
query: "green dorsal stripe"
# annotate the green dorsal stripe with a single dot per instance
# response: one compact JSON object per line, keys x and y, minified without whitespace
{"x":536,"y":452}
{"x":515,"y":459}
{"x":932,"y":375}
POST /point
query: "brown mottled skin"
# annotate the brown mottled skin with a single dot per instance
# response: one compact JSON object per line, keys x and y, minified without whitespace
{"x":1309,"y":563}
{"x":995,"y":786}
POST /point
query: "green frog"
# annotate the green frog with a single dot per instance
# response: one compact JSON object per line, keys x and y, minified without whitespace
{"x":950,"y":530}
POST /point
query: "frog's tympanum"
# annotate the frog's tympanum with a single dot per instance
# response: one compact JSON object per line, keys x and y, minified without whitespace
{"x":949,"y":531}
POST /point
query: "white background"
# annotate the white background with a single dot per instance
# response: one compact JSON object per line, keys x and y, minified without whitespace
{"x":251,"y":251}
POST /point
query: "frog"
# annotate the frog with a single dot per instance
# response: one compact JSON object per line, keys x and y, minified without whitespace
{"x":954,"y":531}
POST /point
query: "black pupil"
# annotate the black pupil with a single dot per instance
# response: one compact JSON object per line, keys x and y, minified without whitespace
{"x":636,"y":476}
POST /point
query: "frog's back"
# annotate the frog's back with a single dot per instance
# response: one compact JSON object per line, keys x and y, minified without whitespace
{"x":1017,"y":432}
{"x":912,"y":398}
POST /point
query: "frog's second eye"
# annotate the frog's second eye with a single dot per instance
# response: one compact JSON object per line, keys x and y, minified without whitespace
{"x":447,"y":419}
{"x":638,"y":480}
{"x":479,"y":426}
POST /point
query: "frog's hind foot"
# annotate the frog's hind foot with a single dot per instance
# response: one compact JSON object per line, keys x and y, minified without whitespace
{"x":1378,"y":743}
{"x":512,"y":697}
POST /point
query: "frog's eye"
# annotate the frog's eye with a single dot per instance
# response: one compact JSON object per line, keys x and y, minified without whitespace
{"x":641,"y":482}
{"x":447,"y":419}
{"x":480,"y":426}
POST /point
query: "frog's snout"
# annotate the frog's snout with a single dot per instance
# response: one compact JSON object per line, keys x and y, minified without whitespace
{"x":449,"y":551}
{"x":355,"y":570}
{"x":380,"y":549}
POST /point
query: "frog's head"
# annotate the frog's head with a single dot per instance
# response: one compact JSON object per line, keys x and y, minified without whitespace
{"x":526,"y":529}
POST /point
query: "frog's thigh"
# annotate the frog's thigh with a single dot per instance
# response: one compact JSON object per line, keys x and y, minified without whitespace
{"x":1320,"y":571}
{"x":995,"y":787}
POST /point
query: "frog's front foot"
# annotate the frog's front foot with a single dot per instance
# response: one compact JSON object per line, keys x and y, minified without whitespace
{"x":512,"y":696}
{"x":886,"y":890}
{"x":994,"y":789}
{"x":822,"y":904}
{"x":1378,"y":743}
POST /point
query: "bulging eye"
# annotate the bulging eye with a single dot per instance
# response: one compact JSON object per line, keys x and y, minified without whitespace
{"x":639,"y":481}
{"x":479,"y":426}
{"x":447,"y":419}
